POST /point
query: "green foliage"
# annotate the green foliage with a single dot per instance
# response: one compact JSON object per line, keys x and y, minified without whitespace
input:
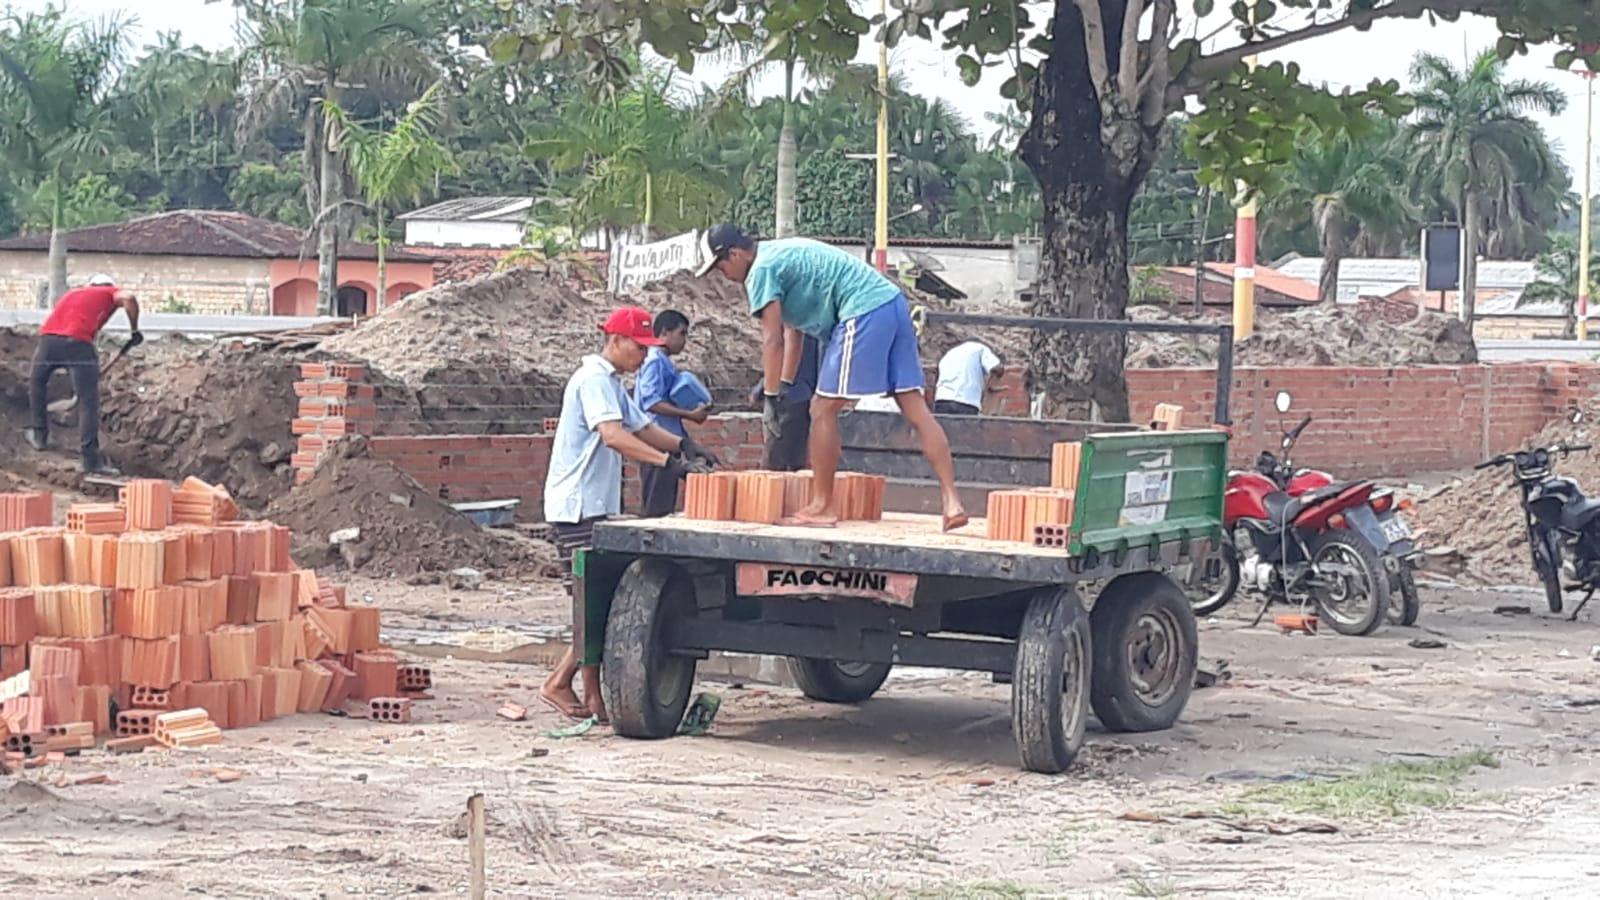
{"x":90,"y":200}
{"x":1559,"y":277}
{"x":835,"y":195}
{"x":265,"y":190}
{"x":1388,"y":790}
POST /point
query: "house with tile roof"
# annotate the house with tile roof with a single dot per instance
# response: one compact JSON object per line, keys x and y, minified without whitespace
{"x":210,"y":262}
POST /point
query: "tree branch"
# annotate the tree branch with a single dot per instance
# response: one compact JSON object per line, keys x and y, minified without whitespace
{"x":1158,"y":71}
{"x":1216,"y":65}
{"x":1128,"y":69}
{"x":1094,"y":41}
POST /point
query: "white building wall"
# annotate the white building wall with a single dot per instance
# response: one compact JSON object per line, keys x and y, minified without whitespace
{"x":436,"y":233}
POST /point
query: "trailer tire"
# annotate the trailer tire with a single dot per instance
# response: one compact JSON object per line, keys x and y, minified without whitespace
{"x":1050,"y":683}
{"x":1146,"y":649}
{"x":832,"y":681}
{"x":646,"y":689}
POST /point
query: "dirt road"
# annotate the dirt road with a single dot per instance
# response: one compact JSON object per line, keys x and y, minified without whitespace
{"x":913,"y":794}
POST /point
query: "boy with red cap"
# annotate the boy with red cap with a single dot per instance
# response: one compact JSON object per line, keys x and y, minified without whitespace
{"x":66,"y":341}
{"x":600,"y":426}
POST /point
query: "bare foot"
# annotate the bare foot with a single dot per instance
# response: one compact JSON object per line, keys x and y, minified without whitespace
{"x":807,"y":519}
{"x":564,"y":701}
{"x":955,"y":518}
{"x":597,"y":708}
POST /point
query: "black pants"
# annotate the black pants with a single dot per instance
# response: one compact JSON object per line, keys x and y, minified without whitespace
{"x":955,"y":408}
{"x":789,"y":453}
{"x":83,"y":364}
{"x":659,"y":491}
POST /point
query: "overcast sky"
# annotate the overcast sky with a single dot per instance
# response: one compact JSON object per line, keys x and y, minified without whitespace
{"x":1346,"y":59}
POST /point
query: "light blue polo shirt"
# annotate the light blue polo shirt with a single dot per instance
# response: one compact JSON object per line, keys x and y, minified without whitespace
{"x":818,"y":284}
{"x":585,"y":477}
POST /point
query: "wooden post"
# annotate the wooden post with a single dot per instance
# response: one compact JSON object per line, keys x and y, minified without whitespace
{"x":475,"y":844}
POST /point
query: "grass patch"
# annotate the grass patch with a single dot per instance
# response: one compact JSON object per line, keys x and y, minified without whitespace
{"x":1387,"y":790}
{"x":977,"y":890}
{"x":1140,"y":886}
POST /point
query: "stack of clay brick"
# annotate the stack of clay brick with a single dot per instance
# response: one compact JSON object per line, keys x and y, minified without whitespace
{"x":334,"y":402}
{"x":1040,"y":515}
{"x":765,"y":497}
{"x":1167,"y":417}
{"x":163,"y":603}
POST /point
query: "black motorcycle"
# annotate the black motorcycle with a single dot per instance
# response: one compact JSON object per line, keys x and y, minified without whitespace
{"x":1563,"y":524}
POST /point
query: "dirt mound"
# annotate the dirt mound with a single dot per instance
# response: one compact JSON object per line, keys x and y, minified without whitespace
{"x":1315,"y":336}
{"x":404,"y":529}
{"x":512,"y":338}
{"x":216,"y":411}
{"x":1480,"y":516}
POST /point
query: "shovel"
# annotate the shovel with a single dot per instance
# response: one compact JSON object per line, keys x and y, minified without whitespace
{"x":68,"y":404}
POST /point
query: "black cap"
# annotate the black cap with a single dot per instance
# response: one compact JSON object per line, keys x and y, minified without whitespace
{"x":717,"y":241}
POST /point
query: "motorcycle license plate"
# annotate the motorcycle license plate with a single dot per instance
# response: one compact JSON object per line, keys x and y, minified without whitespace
{"x":1396,"y":529}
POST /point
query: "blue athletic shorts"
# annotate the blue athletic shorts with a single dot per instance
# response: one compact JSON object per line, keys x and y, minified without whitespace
{"x":872,"y":355}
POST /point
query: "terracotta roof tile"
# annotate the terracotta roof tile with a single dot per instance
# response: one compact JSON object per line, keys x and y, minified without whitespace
{"x":201,"y":232}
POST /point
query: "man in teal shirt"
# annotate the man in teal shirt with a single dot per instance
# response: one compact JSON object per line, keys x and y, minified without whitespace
{"x":798,"y":287}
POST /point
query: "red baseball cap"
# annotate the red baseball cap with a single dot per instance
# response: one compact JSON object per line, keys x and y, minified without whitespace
{"x":632,"y":322}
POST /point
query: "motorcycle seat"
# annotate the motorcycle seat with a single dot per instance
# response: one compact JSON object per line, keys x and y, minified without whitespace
{"x":1580,"y":513}
{"x":1281,"y":507}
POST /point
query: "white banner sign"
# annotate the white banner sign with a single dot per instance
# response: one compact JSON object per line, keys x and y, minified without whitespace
{"x":635,"y":265}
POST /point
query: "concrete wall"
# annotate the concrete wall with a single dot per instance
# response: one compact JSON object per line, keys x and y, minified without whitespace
{"x":208,"y":285}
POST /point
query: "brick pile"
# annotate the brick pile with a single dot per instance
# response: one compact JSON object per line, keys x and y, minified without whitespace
{"x":765,"y":497}
{"x":1039,"y":515}
{"x":183,"y":620}
{"x":334,"y":401}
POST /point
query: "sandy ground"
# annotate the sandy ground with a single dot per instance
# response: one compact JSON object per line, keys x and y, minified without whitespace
{"x":915,"y":793}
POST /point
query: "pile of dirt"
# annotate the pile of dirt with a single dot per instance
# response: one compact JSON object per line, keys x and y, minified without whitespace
{"x":219,"y":412}
{"x":512,"y":338}
{"x":404,"y":530}
{"x":1480,"y":516}
{"x":1314,"y":336}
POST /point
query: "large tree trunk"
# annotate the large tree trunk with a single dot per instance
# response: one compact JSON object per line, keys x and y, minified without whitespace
{"x":1331,"y":241}
{"x":1470,"y":229}
{"x":1087,"y":188}
{"x":787,"y":168}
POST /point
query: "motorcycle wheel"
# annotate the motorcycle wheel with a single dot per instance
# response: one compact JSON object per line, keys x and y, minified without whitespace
{"x":1547,"y":562}
{"x":1404,"y":603}
{"x":1357,"y":603}
{"x":1214,"y":580}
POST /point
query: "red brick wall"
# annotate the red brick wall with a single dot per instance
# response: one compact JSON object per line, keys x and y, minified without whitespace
{"x":1378,"y":421}
{"x":477,"y":467}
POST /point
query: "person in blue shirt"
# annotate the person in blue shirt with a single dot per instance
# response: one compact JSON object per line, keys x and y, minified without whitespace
{"x":798,"y":287}
{"x":653,"y":392}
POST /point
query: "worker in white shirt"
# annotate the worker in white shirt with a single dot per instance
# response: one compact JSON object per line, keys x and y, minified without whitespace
{"x":968,"y":372}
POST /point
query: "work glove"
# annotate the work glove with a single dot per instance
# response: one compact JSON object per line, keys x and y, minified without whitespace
{"x":678,"y":466}
{"x":134,"y":341}
{"x":691,"y":449}
{"x":771,"y":420}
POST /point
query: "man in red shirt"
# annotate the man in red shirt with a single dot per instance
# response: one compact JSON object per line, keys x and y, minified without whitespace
{"x":66,"y":341}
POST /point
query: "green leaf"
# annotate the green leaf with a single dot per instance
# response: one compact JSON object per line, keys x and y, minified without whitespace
{"x":971,"y":71}
{"x":1204,"y":7}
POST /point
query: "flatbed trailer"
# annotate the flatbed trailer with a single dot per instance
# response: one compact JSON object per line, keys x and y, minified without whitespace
{"x":1096,"y":624}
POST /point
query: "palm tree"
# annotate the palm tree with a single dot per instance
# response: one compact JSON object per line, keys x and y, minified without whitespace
{"x":401,"y":163}
{"x":305,"y":51}
{"x":55,"y":76}
{"x":1558,"y":273}
{"x":1473,"y":144}
{"x":627,"y":162}
{"x":1350,"y":184}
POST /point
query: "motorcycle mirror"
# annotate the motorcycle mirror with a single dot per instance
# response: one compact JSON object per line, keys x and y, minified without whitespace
{"x":1287,"y":441}
{"x":1283,"y":401}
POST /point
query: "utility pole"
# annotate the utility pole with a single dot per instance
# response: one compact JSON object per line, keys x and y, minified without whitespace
{"x":1244,"y":253}
{"x":881,"y":245}
{"x":1200,"y":254}
{"x":1584,"y":219}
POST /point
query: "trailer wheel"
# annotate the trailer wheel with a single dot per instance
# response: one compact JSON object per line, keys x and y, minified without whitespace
{"x":1145,"y":653}
{"x":1050,"y":684}
{"x":646,"y":688}
{"x":832,"y":681}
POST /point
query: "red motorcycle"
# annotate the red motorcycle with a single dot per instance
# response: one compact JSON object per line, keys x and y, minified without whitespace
{"x":1301,"y":538}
